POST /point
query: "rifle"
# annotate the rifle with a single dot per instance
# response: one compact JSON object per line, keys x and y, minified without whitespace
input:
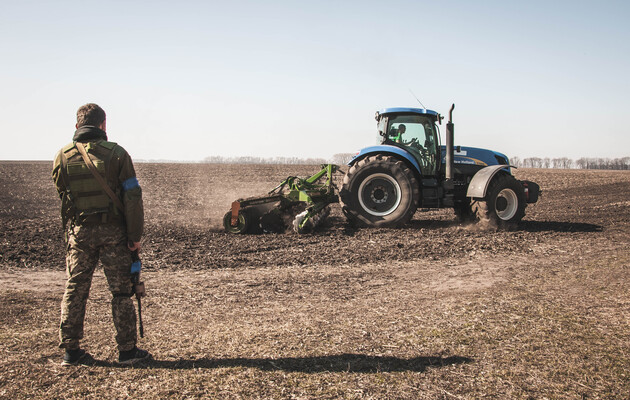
{"x":138,"y":287}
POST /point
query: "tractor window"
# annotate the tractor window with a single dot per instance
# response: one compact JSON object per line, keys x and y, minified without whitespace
{"x":418,"y":134}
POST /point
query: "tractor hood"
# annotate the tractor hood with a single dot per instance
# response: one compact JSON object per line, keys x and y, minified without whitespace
{"x":463,"y":155}
{"x":476,"y":156}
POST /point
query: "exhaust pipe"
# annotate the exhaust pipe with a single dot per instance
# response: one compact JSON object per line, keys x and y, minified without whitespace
{"x":450,"y":153}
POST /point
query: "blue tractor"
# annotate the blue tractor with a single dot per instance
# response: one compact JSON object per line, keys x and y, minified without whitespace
{"x":410,"y":169}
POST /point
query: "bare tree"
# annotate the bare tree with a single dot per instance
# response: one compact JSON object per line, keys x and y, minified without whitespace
{"x":263,"y":160}
{"x":516,"y":161}
{"x":533,"y":162}
{"x":342,"y":158}
{"x":622,"y":163}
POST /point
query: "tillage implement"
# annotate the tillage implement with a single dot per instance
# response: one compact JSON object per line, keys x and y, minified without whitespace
{"x":300,"y":202}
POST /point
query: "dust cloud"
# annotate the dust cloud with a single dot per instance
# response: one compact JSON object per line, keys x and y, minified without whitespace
{"x":201,"y":194}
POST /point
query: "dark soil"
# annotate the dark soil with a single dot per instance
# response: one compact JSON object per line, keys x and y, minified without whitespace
{"x":185,"y":203}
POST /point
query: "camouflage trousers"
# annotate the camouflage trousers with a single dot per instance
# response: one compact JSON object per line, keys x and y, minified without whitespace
{"x":86,"y":245}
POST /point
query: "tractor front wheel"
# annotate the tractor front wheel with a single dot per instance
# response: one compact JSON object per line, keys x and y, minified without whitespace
{"x":504,"y":204}
{"x":379,"y":191}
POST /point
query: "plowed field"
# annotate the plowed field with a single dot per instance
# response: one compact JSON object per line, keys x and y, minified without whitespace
{"x":432,"y":310}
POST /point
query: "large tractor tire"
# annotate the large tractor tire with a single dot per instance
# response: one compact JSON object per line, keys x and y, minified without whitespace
{"x":379,"y":191}
{"x":504,"y":204}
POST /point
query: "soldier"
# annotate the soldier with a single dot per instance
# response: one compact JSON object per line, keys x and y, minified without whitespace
{"x":96,"y":228}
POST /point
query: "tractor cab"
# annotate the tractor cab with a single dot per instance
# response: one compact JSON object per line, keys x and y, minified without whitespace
{"x":413,"y":130}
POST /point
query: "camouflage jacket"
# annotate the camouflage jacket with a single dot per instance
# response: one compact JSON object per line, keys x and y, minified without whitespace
{"x":83,"y":199}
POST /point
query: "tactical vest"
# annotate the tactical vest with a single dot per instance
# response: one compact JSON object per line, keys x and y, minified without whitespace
{"x":89,"y":201}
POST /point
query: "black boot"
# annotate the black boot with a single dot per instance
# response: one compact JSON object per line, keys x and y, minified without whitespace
{"x":73,"y":357}
{"x":133,"y":356}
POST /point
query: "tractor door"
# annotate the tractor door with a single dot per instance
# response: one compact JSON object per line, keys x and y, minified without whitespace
{"x":418,"y":135}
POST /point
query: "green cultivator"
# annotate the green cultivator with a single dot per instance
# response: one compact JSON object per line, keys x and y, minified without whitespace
{"x":303,"y":203}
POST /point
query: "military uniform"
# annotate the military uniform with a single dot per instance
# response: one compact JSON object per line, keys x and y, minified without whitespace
{"x":96,"y":230}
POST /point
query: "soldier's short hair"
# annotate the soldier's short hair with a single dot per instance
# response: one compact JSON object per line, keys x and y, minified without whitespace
{"x":90,"y":114}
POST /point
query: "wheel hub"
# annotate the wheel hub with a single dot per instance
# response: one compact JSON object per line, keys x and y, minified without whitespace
{"x":379,"y":194}
{"x":506,"y":204}
{"x":502,"y":204}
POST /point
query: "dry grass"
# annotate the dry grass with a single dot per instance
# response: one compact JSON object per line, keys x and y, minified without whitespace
{"x":371,"y":331}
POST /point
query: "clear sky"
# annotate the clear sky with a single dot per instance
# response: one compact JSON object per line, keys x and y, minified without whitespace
{"x":183,"y":80}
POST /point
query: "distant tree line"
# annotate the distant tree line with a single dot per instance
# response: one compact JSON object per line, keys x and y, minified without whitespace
{"x":339,"y":159}
{"x":263,"y":160}
{"x":344,"y":158}
{"x":566,"y":163}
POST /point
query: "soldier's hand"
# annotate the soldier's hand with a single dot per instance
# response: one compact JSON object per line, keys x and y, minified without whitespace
{"x":133,"y":246}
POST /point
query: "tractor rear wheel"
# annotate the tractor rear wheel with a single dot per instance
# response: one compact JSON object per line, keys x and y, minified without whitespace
{"x":379,"y":191}
{"x":504,"y":204}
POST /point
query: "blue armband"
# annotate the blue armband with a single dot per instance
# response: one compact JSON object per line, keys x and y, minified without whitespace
{"x":130,"y":183}
{"x":135,"y":267}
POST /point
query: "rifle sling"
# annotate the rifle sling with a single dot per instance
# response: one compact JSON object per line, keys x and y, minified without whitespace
{"x":99,"y":178}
